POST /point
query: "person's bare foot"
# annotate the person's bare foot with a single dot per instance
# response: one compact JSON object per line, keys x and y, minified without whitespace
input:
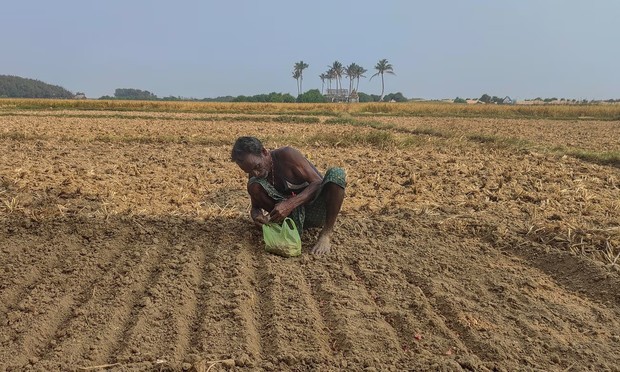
{"x":323,"y":245}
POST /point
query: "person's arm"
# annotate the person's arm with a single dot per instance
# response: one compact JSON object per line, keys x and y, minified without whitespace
{"x":304,"y":172}
{"x":257,"y":211}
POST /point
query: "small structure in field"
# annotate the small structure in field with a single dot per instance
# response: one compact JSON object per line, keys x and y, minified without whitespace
{"x":337,"y":95}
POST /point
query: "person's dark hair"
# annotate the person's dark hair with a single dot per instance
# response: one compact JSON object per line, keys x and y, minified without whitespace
{"x":244,"y":146}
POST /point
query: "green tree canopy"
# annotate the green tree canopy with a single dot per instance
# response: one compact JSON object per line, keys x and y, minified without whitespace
{"x":130,"y":93}
{"x":18,"y":87}
{"x":311,"y":96}
{"x":383,"y":67}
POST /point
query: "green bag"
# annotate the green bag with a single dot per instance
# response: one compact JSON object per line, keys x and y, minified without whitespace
{"x":283,"y":240}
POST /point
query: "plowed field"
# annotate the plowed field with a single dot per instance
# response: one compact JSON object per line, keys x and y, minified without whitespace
{"x":126,"y":244}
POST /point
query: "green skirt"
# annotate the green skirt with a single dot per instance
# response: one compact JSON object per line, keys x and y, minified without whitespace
{"x":312,"y":214}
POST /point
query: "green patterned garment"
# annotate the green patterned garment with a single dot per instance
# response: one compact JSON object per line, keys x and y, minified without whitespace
{"x":312,"y":214}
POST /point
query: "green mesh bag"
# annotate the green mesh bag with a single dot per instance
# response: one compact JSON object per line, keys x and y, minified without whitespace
{"x":283,"y":240}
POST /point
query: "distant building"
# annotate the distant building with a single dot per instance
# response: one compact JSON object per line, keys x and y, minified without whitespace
{"x":337,"y":95}
{"x":508,"y":101}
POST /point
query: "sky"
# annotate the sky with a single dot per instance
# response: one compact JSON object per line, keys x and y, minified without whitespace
{"x":204,"y":49}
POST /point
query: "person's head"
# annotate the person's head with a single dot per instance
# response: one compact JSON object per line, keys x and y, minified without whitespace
{"x":251,"y":156}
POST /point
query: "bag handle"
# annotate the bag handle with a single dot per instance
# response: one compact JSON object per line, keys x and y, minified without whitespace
{"x":289,"y":223}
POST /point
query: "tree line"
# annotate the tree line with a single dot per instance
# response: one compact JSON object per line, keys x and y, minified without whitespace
{"x":18,"y":87}
{"x":310,"y":96}
{"x":337,"y":70}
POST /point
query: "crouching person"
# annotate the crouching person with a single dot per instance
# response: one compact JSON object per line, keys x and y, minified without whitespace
{"x":283,"y":183}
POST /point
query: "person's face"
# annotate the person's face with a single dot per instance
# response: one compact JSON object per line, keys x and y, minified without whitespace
{"x":254,"y":165}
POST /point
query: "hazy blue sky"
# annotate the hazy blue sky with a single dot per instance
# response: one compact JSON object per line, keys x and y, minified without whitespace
{"x":201,"y":48}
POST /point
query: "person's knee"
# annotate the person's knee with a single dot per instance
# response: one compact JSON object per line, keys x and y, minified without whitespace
{"x":336,"y":175}
{"x":255,"y":189}
{"x":259,"y":194}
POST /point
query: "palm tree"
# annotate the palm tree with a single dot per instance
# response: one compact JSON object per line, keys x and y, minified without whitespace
{"x":350,"y":72}
{"x":296,"y":76}
{"x":359,"y":72}
{"x":338,"y":70}
{"x":299,"y":67}
{"x":323,"y":77}
{"x":382,"y":67}
{"x":331,"y":75}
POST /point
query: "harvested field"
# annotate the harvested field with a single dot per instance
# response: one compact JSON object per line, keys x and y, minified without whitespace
{"x":125,"y":243}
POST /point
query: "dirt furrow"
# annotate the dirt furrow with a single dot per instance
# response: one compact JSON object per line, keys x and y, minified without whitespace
{"x":220,"y":328}
{"x":120,"y":300}
{"x":402,"y":303}
{"x":294,"y":331}
{"x":136,"y":342}
{"x":40,"y":324}
{"x":486,"y":314}
{"x":183,"y":300}
{"x":351,"y":315}
{"x":27,"y":260}
{"x":81,"y":333}
{"x":248,"y":310}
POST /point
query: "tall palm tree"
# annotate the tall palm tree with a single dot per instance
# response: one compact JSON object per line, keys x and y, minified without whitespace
{"x":296,"y":76}
{"x":359,"y":72}
{"x":383,"y":67}
{"x":338,"y":71}
{"x":350,"y":72}
{"x":323,"y":77}
{"x":300,"y":67}
{"x":331,"y":75}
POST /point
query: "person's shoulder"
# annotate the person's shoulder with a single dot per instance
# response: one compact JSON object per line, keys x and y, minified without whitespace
{"x":288,"y":151}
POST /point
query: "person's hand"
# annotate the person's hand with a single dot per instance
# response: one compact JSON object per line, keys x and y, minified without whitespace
{"x":261,"y":219}
{"x":281,"y":211}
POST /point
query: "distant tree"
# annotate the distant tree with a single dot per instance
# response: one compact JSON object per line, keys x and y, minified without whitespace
{"x":136,"y":94}
{"x":298,"y":74}
{"x":337,"y":70}
{"x":18,"y":87}
{"x":219,"y":99}
{"x":280,"y":98}
{"x":398,"y":97}
{"x":311,"y":96}
{"x":323,"y":77}
{"x":363,"y":97}
{"x":383,"y":67}
{"x":485,"y":98}
{"x":350,"y":72}
{"x":287,"y":98}
{"x":359,"y":72}
{"x":271,"y":97}
{"x":459,"y":100}
{"x":376,"y":98}
{"x":331,"y":75}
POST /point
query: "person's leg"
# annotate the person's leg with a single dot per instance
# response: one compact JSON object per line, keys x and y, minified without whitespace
{"x":334,"y":195}
{"x":260,"y":195}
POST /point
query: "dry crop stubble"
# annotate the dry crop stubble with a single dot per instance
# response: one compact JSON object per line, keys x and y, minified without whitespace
{"x":449,"y":253}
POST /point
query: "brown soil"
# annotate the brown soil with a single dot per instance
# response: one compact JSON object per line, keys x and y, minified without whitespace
{"x":126,"y":243}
